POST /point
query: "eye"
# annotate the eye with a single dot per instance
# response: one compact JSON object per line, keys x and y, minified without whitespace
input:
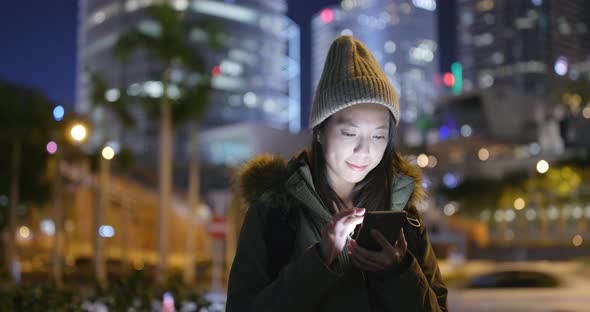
{"x":379,"y":137}
{"x":348,"y":134}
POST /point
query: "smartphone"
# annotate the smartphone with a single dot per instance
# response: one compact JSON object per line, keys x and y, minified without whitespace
{"x":386,"y":222}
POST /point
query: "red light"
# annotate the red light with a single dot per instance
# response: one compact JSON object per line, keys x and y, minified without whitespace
{"x":327,"y":16}
{"x":216,"y":71}
{"x":449,"y":79}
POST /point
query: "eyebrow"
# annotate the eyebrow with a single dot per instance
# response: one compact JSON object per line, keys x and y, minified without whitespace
{"x":349,"y":122}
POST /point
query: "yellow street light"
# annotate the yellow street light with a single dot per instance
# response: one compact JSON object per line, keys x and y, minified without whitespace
{"x":108,"y":153}
{"x":519,"y":204}
{"x":78,"y":132}
{"x":422,"y":160}
{"x":542,"y":166}
{"x":483,"y":154}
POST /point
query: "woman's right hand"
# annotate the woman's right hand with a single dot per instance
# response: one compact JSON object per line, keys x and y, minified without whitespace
{"x":335,"y":233}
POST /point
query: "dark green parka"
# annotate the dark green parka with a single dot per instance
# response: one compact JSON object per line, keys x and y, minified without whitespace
{"x":305,"y":283}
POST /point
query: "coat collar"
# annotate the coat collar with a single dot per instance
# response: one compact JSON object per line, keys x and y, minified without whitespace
{"x":268,"y":177}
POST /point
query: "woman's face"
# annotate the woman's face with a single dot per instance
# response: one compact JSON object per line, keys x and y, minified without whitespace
{"x":353,"y":142}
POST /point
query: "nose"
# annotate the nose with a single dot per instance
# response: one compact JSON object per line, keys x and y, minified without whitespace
{"x":362,"y":146}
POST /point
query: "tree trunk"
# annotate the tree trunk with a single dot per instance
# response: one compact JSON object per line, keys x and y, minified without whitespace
{"x":99,"y":261}
{"x":126,"y":212}
{"x":58,"y":216}
{"x":11,"y":258}
{"x":193,"y":205}
{"x":165,"y":180}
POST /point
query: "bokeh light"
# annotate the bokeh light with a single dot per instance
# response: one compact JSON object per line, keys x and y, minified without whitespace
{"x":483,"y":154}
{"x":51,"y":147}
{"x":108,"y":153}
{"x":58,"y":113}
{"x":542,"y":166}
{"x":78,"y":133}
{"x":519,"y":204}
{"x":422,"y":160}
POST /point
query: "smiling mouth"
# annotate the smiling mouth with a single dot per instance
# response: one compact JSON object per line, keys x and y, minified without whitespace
{"x":356,"y":168}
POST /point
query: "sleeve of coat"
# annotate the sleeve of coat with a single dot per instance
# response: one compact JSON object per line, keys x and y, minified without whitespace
{"x":298,"y":287}
{"x":419,"y":285}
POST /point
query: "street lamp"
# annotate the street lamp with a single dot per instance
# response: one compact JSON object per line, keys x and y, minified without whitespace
{"x":108,"y":153}
{"x":78,"y":132}
{"x":542,"y":166}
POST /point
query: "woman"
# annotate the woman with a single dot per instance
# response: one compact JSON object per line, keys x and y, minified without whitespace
{"x":295,"y":251}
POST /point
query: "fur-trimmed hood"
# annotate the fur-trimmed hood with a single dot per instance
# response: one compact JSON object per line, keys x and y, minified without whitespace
{"x":265,"y":176}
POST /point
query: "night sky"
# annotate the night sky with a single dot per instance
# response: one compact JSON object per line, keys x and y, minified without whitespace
{"x":39,"y":43}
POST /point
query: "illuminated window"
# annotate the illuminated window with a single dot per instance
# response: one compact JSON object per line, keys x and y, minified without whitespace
{"x":467,"y":18}
{"x":485,"y":5}
{"x":389,"y":46}
{"x":226,"y":10}
{"x":429,"y":5}
{"x":483,"y":39}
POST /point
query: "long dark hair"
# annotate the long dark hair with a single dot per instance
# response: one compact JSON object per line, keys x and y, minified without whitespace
{"x":373,"y":192}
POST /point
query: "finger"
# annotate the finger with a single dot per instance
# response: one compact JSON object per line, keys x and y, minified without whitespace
{"x":375,"y":258}
{"x":365,"y":264}
{"x":352,"y":221}
{"x":401,"y":242}
{"x":344,"y":213}
{"x":385,"y":245}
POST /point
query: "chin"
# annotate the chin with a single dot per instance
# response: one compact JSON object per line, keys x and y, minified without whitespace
{"x":355,"y":178}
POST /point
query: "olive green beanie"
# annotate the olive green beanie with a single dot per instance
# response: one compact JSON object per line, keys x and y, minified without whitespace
{"x":351,"y":76}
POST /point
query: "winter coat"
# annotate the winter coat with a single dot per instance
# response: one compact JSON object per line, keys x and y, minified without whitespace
{"x":306,"y":283}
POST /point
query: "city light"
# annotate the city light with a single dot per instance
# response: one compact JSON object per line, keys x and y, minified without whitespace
{"x":466,"y":131}
{"x":577,"y":240}
{"x":51,"y":147}
{"x":450,"y":209}
{"x":108,"y":153}
{"x":47,"y":227}
{"x":534,"y":148}
{"x":389,"y":46}
{"x":531,"y":214}
{"x":561,"y":66}
{"x":78,"y":133}
{"x":327,"y":16}
{"x":106,"y":231}
{"x":457,"y":71}
{"x":519,"y":204}
{"x":216,"y":71}
{"x":542,"y":166}
{"x":24,"y":232}
{"x":429,"y":5}
{"x":432,"y":161}
{"x":450,"y":180}
{"x":112,"y":95}
{"x":448,"y":79}
{"x":509,"y":215}
{"x":483,"y":154}
{"x":58,"y":113}
{"x":422,"y":160}
{"x":250,"y":99}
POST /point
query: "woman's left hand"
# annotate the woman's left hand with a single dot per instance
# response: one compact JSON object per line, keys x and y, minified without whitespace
{"x":374,"y":261}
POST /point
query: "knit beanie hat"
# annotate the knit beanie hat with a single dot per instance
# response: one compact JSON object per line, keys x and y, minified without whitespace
{"x":351,"y":76}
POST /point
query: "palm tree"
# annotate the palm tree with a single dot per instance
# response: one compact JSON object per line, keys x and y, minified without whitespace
{"x":25,"y":126}
{"x":170,"y":47}
{"x":117,"y":107}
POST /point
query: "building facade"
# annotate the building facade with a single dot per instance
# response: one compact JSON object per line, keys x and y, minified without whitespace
{"x":255,"y":73}
{"x":526,"y":45}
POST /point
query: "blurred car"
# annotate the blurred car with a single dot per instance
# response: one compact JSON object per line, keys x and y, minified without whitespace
{"x":519,"y":289}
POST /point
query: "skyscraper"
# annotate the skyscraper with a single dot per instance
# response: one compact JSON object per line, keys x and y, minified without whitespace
{"x":402,"y":36}
{"x":255,"y":73}
{"x":523,"y":45}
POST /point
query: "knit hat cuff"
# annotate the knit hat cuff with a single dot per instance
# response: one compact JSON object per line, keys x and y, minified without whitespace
{"x":359,"y":90}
